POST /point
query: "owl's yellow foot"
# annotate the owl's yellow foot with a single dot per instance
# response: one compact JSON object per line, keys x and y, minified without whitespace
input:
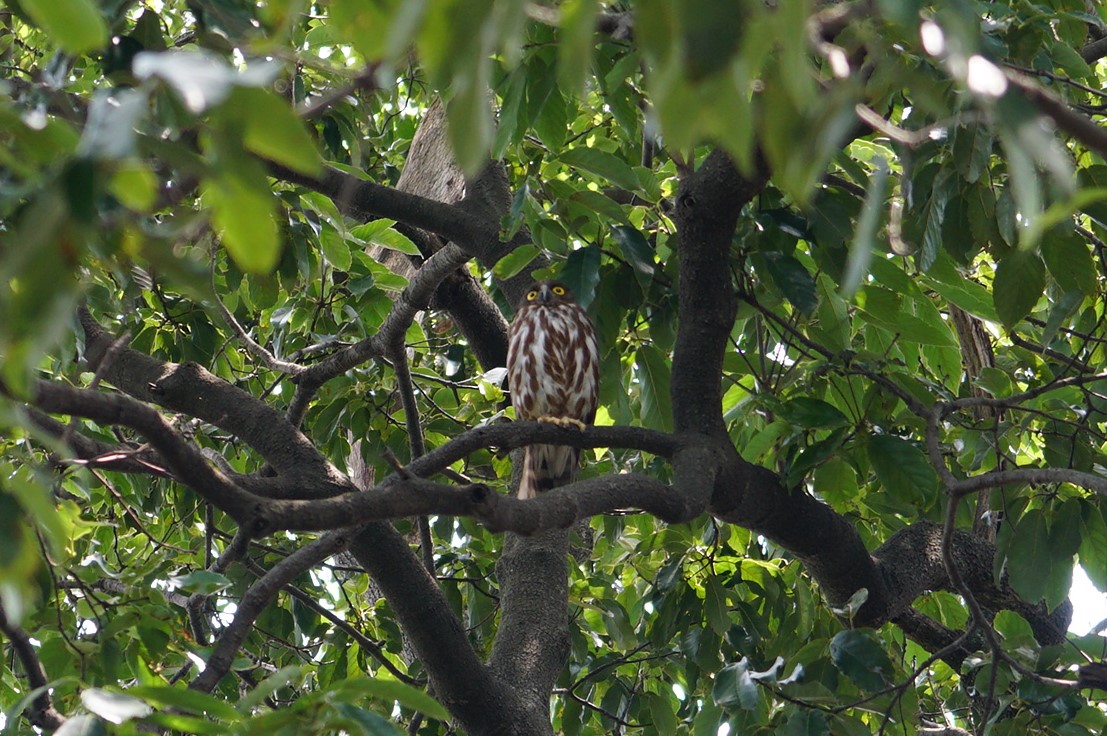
{"x":564,"y":422}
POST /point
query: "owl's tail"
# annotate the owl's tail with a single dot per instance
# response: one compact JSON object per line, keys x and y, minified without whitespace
{"x":546,"y":467}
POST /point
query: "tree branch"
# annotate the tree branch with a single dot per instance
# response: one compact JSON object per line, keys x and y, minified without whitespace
{"x":257,"y":598}
{"x":42,"y":713}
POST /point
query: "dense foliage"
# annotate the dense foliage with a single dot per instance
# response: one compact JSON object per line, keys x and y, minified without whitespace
{"x":846,"y":264}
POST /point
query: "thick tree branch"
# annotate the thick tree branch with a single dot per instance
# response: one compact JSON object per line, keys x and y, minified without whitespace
{"x":190,"y":389}
{"x":482,"y":704}
{"x":182,"y":457}
{"x":707,"y":211}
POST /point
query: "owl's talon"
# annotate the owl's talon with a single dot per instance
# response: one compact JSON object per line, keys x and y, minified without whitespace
{"x":563,"y":422}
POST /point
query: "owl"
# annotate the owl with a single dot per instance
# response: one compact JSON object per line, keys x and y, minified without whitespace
{"x":553,"y":373}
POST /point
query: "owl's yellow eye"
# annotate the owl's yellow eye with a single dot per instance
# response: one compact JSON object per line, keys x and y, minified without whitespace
{"x":532,"y":295}
{"x":559,"y":290}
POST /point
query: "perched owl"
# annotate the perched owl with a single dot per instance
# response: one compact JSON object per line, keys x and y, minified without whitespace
{"x":553,"y":373}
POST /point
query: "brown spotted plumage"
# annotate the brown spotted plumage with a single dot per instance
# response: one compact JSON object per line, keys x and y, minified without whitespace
{"x":553,"y":373}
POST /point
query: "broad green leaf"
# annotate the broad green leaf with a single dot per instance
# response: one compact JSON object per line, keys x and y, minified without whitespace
{"x":860,"y":657}
{"x":404,"y":694}
{"x":76,"y":25}
{"x":581,"y":273}
{"x":715,"y":606}
{"x":393,"y":239}
{"x":1093,"y":546}
{"x":188,"y":700}
{"x":273,"y":131}
{"x":755,"y":449}
{"x":243,"y":210}
{"x":653,"y":377}
{"x":1070,"y":262}
{"x":335,"y":249}
{"x":793,"y":280}
{"x":805,"y":723}
{"x":1019,"y":282}
{"x":812,"y":413}
{"x":267,"y":687}
{"x":972,"y":150}
{"x":912,"y":329}
{"x":603,"y":164}
{"x":515,"y":261}
{"x":734,"y":688}
{"x":366,"y":722}
{"x":933,"y":215}
{"x":135,"y":186}
{"x":637,"y":252}
{"x":902,"y":469}
{"x":204,"y":582}
{"x":81,"y":725}
{"x":1029,"y":558}
{"x":469,"y":117}
{"x":112,"y":706}
{"x":574,"y":51}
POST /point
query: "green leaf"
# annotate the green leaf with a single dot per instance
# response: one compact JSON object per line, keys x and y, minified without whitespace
{"x":902,"y":469}
{"x":1093,"y":546}
{"x":972,"y":150}
{"x":812,"y":413}
{"x":910,"y":328}
{"x":188,"y":700}
{"x":1029,"y":558}
{"x":734,"y":688}
{"x":574,"y":51}
{"x":715,"y":606}
{"x":805,"y":723}
{"x":581,"y":273}
{"x":112,"y":706}
{"x":394,"y":240}
{"x":860,"y":657}
{"x":273,"y":131}
{"x":204,"y":582}
{"x":469,"y":117}
{"x":653,"y":376}
{"x":267,"y":687}
{"x":793,"y":280}
{"x":1019,"y":283}
{"x":1070,"y":262}
{"x":933,"y":215}
{"x":80,"y":725}
{"x":76,"y":25}
{"x":335,"y":249}
{"x":603,"y":164}
{"x":864,"y":239}
{"x":637,"y":251}
{"x":515,"y":261}
{"x":404,"y":694}
{"x":243,"y":211}
{"x":350,"y":717}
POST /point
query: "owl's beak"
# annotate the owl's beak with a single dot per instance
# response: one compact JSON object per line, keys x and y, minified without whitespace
{"x":544,"y":293}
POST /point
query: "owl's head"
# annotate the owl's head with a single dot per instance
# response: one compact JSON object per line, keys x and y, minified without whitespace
{"x":548,"y":293}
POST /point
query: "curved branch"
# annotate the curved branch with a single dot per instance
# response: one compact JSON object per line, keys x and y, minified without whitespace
{"x":190,"y":389}
{"x":42,"y":713}
{"x":363,"y":199}
{"x":182,"y":457}
{"x":415,"y":297}
{"x":257,"y":598}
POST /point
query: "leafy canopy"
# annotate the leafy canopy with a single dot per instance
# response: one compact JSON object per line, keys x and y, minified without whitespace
{"x":930,"y":230}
